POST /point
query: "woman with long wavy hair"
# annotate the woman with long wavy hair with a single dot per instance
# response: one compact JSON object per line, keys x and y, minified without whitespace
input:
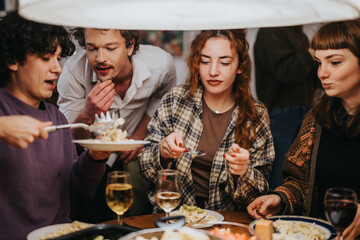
{"x":216,"y":113}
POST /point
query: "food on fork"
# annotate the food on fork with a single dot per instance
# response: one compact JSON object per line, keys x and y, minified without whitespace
{"x":113,"y":133}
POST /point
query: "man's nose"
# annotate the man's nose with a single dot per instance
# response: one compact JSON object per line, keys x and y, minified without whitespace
{"x":100,"y":55}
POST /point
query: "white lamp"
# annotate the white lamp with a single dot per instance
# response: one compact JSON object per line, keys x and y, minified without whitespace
{"x":187,"y":14}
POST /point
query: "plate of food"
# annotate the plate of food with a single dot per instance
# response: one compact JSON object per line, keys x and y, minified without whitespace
{"x":180,"y":233}
{"x":299,"y":228}
{"x":57,"y":230}
{"x":100,"y":145}
{"x":196,"y":217}
{"x":230,"y":230}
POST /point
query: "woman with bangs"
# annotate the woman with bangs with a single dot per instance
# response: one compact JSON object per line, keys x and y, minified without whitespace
{"x":326,"y":151}
{"x":216,"y":113}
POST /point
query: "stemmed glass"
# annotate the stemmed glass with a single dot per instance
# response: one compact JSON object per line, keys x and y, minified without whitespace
{"x":119,"y":193}
{"x":168,"y":195}
{"x":340,"y":208}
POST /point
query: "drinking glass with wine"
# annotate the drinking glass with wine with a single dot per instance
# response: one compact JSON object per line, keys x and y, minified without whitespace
{"x":168,"y":195}
{"x":340,"y":208}
{"x":119,"y":193}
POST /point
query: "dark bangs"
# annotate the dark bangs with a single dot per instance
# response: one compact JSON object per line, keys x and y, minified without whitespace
{"x":329,"y":110}
{"x":20,"y":37}
{"x":48,"y":39}
{"x":338,"y":35}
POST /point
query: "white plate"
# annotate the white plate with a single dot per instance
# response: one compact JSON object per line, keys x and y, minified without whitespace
{"x":97,"y":145}
{"x":330,"y":232}
{"x":219,"y":218}
{"x":40,"y":232}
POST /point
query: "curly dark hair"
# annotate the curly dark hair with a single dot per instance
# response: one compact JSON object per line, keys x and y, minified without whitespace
{"x":20,"y":37}
{"x":131,"y":37}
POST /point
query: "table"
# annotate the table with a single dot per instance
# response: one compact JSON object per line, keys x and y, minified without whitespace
{"x":147,"y":221}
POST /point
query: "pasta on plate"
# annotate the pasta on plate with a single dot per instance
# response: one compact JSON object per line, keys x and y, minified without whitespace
{"x":114,"y":134}
{"x":292,"y":230}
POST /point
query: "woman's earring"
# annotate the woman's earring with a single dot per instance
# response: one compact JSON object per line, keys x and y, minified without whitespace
{"x":13,"y":67}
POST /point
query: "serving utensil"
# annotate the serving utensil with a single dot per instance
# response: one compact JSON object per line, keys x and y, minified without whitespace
{"x":103,"y":122}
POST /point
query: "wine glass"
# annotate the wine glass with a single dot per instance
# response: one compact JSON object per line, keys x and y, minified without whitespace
{"x":168,"y":195}
{"x":340,"y":208}
{"x":119,"y":193}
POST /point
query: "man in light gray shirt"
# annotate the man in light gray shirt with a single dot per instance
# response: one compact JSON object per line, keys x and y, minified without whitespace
{"x":109,"y":76}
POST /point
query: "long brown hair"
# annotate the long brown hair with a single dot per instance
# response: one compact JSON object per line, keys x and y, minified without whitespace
{"x":337,"y":35}
{"x":244,"y":133}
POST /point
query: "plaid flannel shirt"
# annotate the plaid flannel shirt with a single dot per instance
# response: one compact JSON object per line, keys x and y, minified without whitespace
{"x":179,"y":113}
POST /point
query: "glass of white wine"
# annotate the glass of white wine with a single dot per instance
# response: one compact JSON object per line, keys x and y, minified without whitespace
{"x":168,"y":195}
{"x":119,"y":193}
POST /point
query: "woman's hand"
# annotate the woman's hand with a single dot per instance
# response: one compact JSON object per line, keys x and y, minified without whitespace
{"x":238,"y":159}
{"x":353,"y":230}
{"x":172,"y":146}
{"x":21,"y":130}
{"x":268,"y":205}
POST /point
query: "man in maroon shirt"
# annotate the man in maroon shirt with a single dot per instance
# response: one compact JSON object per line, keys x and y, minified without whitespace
{"x":36,"y":181}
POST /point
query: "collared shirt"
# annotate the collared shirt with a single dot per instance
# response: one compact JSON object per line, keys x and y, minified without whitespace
{"x":153,"y":75}
{"x":180,"y":113}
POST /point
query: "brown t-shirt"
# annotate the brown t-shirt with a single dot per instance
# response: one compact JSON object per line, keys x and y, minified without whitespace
{"x":215,"y":126}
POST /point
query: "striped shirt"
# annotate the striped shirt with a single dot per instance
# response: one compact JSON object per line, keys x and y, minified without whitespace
{"x":180,"y":113}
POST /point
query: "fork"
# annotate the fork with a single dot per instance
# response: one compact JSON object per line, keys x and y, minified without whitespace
{"x":101,"y":123}
{"x":264,"y":217}
{"x":200,"y":219}
{"x":195,"y":154}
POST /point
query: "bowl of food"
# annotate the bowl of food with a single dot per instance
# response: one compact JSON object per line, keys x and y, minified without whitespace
{"x":299,"y":227}
{"x":170,"y":228}
{"x":229,"y":231}
{"x":183,"y":233}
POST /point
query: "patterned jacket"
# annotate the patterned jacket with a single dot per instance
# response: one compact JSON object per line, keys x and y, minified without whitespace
{"x":299,"y":191}
{"x":180,"y":113}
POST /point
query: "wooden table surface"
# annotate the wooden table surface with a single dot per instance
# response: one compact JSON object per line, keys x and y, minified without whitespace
{"x":147,"y":221}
